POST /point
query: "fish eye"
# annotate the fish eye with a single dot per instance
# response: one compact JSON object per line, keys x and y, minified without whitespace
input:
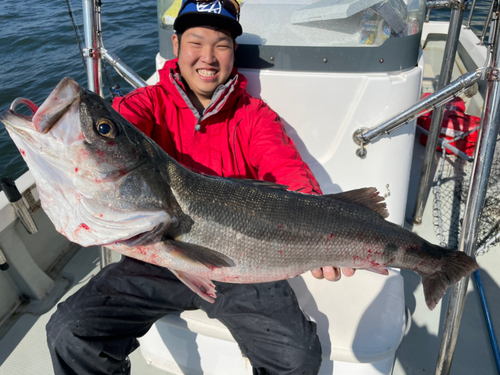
{"x":106,"y":128}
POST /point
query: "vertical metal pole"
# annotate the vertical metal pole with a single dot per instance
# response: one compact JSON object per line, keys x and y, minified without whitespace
{"x":91,"y":50}
{"x":467,"y":25}
{"x":475,"y":200}
{"x":105,"y":254}
{"x":98,"y":46}
{"x":450,"y":50}
{"x":487,"y":22}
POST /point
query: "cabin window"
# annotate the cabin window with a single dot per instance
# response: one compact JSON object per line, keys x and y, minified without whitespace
{"x":323,"y":23}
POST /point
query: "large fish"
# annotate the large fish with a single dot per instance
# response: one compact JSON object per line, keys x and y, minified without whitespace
{"x":103,"y":182}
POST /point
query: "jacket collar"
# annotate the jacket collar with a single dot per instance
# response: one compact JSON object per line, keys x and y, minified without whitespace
{"x":224,"y":96}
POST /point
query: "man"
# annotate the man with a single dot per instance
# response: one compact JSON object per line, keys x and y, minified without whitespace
{"x":201,"y":115}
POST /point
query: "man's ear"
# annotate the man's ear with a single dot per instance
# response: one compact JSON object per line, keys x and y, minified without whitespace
{"x":235,"y":45}
{"x":175,"y":44}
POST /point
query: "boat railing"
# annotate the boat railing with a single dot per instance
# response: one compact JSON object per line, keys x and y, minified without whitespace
{"x":483,"y":157}
{"x":94,"y":51}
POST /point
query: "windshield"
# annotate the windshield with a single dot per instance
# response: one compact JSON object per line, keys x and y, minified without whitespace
{"x":323,"y":23}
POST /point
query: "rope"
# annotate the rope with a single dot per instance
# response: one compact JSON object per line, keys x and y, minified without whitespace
{"x":76,"y":35}
{"x":113,"y":89}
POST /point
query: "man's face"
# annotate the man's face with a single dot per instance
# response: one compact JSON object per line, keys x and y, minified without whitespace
{"x":206,"y":59}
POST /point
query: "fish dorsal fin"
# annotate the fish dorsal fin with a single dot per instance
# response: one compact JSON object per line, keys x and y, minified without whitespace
{"x":367,"y":197}
{"x":198,"y":254}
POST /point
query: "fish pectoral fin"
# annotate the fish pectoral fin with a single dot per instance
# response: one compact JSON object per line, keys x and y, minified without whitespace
{"x":367,"y":197}
{"x":200,"y":285}
{"x":199,"y":254}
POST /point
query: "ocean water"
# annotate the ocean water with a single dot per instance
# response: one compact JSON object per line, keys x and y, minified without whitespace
{"x":38,"y":48}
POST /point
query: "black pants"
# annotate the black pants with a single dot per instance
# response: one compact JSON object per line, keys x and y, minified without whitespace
{"x":95,"y":329}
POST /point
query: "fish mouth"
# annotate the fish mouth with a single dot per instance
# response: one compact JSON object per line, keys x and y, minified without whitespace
{"x":18,"y":121}
{"x":28,"y":103}
{"x":56,"y":105}
{"x":48,"y":114}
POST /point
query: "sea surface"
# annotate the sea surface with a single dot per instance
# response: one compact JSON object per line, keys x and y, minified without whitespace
{"x":38,"y":48}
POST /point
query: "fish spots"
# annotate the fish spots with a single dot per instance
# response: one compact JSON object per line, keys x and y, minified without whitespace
{"x":280,"y":227}
{"x":374,"y":264}
{"x":111,"y":143}
{"x":281,"y":252}
{"x":332,"y":235}
{"x":22,"y":152}
{"x":369,"y":251}
{"x":100,"y":153}
{"x":76,"y":169}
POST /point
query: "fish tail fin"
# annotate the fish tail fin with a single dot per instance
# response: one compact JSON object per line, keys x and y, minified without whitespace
{"x":456,"y":264}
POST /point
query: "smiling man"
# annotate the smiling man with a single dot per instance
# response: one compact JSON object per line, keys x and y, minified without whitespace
{"x":200,"y":114}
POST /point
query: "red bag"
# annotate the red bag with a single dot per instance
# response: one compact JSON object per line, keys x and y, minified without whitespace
{"x":455,"y":123}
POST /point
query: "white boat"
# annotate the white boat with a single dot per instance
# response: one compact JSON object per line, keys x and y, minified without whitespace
{"x":313,"y":64}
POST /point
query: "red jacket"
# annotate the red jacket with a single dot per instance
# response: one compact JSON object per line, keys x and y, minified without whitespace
{"x":237,"y":135}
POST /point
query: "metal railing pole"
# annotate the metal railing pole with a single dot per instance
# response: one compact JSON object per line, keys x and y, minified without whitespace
{"x":479,"y":182}
{"x":91,"y":50}
{"x":105,"y":255}
{"x":487,"y":22}
{"x":467,"y":25}
{"x":432,"y":101}
{"x":438,"y":4}
{"x":123,"y":69}
{"x":457,"y":15}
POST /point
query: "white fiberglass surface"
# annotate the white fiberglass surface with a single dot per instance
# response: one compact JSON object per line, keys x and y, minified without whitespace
{"x":321,"y":113}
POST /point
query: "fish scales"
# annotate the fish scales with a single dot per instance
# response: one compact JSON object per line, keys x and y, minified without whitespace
{"x":115,"y":187}
{"x":267,"y":234}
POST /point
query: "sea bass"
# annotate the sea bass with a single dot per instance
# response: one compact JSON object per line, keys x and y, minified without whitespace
{"x":103,"y":182}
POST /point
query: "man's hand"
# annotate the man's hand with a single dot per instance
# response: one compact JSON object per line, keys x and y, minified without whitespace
{"x":332,"y":273}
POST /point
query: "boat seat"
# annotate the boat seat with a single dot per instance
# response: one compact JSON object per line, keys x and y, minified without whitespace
{"x":360,"y":319}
